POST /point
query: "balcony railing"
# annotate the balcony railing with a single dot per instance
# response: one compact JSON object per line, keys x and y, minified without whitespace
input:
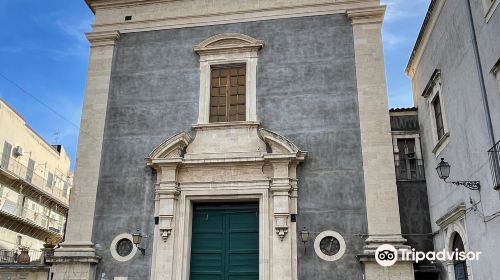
{"x":410,"y":170}
{"x":10,"y":256}
{"x":494,"y":153}
{"x":57,"y":188}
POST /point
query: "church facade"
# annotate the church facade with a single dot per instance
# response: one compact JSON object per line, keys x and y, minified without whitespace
{"x":233,"y":140}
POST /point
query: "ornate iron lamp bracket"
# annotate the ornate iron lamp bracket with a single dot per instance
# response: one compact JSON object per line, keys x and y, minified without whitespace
{"x":471,"y":185}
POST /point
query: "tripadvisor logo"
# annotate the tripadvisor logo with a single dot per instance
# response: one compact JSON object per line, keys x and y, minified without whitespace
{"x":387,"y":255}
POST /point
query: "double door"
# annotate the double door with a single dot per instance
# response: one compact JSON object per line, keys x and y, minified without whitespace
{"x":225,"y":242}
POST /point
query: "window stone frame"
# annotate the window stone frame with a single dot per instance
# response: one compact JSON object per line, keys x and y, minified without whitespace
{"x":227,"y":49}
{"x":435,"y":89}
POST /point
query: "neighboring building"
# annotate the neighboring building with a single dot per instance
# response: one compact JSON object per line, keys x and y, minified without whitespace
{"x":412,"y":189}
{"x":454,"y":70}
{"x":223,"y":99}
{"x":35,"y":183}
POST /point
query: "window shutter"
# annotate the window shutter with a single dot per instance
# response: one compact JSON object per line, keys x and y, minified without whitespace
{"x":7,"y":150}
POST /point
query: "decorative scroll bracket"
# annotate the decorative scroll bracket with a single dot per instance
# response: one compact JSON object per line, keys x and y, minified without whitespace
{"x":281,"y":225}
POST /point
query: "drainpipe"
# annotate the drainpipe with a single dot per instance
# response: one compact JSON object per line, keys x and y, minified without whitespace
{"x":481,"y":76}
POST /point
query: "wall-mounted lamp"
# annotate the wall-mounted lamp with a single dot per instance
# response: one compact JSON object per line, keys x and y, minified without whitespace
{"x":443,"y":170}
{"x":304,"y":236}
{"x":136,"y":239}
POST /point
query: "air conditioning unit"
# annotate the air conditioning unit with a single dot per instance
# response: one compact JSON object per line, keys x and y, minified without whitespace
{"x":18,"y":151}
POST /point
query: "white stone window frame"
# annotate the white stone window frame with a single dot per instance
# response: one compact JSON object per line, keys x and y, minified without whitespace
{"x":227,"y":49}
{"x":433,"y":90}
{"x":490,"y":8}
{"x":495,"y":71}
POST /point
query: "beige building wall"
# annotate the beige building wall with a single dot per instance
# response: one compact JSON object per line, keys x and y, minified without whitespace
{"x":16,"y":202}
{"x":15,"y":130}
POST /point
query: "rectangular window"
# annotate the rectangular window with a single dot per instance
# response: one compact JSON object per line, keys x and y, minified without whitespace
{"x":7,"y":150}
{"x":65,"y":189}
{"x":228,"y":93}
{"x":438,"y":115}
{"x":30,"y":170}
{"x":50,"y":180}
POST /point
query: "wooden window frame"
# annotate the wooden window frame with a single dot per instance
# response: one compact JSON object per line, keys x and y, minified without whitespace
{"x":433,"y":92}
{"x":229,"y":114}
{"x":438,"y":116}
{"x":224,"y":49}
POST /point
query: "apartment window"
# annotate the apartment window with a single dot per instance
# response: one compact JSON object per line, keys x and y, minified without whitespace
{"x":433,"y":93}
{"x":7,"y":150}
{"x":30,"y":170}
{"x":438,"y":116}
{"x":65,"y":189}
{"x":50,"y":180}
{"x":228,"y":93}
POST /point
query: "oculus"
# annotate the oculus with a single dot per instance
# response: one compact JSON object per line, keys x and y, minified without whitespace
{"x":124,"y":247}
{"x":329,"y":245}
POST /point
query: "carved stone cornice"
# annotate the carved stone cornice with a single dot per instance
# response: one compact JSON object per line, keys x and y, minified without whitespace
{"x":107,"y":4}
{"x":433,"y":81}
{"x":370,"y":15}
{"x":227,"y":43}
{"x":101,"y":39}
{"x":452,"y":215}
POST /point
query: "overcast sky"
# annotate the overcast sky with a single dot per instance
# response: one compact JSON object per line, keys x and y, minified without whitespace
{"x":44,"y":55}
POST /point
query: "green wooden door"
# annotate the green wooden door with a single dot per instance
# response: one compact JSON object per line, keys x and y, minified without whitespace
{"x":225,"y":242}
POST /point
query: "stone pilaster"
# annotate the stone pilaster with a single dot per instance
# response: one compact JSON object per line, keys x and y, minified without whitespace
{"x":76,"y":257}
{"x":167,"y":192}
{"x":282,"y":241}
{"x":378,"y":163}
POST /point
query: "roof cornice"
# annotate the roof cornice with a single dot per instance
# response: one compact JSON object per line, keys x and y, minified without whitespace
{"x":95,"y":4}
{"x":424,"y":35}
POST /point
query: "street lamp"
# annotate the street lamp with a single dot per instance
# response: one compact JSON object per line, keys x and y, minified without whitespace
{"x":443,"y":171}
{"x":136,"y":239}
{"x":304,"y":236}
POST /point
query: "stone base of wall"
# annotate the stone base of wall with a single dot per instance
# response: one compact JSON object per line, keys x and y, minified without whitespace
{"x":24,"y":272}
{"x":74,"y":270}
{"x":76,"y":261}
{"x":399,"y":271}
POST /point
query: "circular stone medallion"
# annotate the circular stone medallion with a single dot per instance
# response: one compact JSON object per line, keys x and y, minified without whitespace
{"x":329,"y":245}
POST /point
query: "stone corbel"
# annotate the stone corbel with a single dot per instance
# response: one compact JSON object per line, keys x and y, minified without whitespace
{"x":167,"y":199}
{"x":280,"y":189}
{"x":281,"y":226}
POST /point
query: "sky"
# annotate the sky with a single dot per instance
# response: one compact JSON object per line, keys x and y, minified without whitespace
{"x":44,"y":57}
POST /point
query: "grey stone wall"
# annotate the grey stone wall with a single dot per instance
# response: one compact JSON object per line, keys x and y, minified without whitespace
{"x":414,"y":212}
{"x":306,"y":91}
{"x":450,"y":49}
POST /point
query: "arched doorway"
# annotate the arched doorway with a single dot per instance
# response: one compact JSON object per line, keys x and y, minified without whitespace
{"x":460,"y":267}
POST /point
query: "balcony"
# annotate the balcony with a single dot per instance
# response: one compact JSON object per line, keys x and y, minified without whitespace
{"x":494,"y":154}
{"x":410,"y":170}
{"x":10,"y":256}
{"x":52,"y":187}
